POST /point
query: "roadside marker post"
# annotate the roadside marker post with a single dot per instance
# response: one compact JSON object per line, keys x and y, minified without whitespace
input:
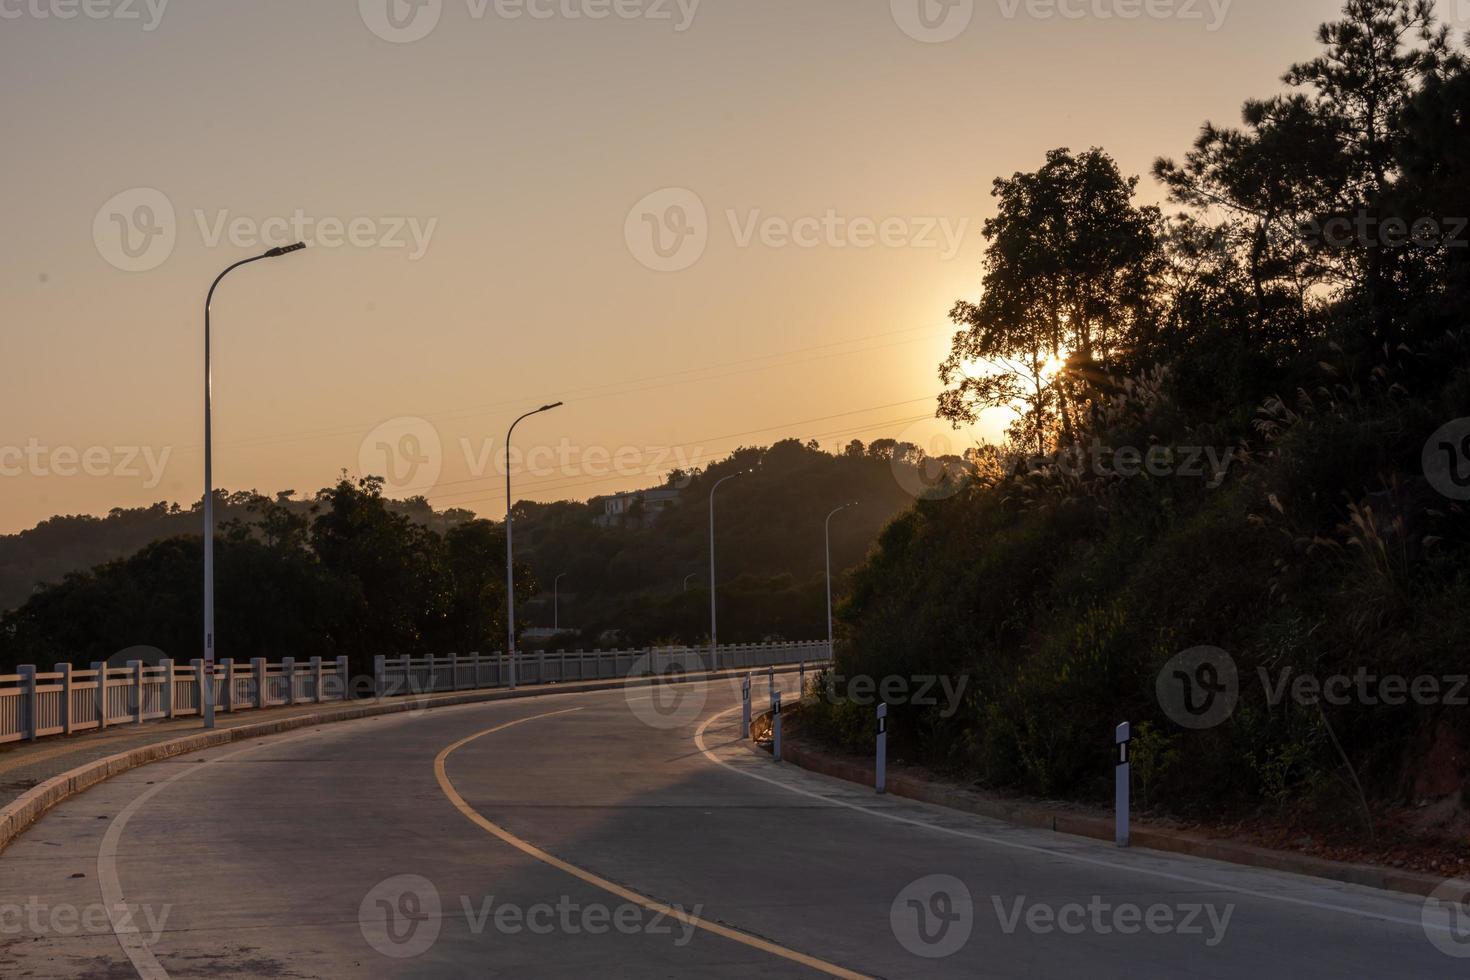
{"x":801,"y":680}
{"x":882,"y":766}
{"x":745,"y":707}
{"x":776,"y":726}
{"x":1122,"y":781}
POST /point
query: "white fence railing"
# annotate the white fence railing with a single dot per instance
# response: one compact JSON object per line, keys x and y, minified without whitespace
{"x":67,"y":700}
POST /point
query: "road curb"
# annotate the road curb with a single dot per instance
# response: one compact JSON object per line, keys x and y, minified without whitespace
{"x":1100,"y":828}
{"x":30,"y":806}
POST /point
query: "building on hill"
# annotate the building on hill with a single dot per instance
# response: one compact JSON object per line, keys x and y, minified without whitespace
{"x":637,"y":508}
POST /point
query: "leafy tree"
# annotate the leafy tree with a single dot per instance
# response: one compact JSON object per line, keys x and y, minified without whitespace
{"x":1067,"y":274}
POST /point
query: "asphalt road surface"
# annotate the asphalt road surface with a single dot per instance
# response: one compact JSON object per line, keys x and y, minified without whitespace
{"x":628,"y":834}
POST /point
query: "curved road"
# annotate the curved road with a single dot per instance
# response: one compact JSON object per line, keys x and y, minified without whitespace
{"x":626,"y":834}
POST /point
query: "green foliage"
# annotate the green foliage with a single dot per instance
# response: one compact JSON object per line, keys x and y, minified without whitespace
{"x":1060,"y":589}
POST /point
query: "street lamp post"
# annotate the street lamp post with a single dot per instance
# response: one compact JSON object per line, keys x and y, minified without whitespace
{"x":206,"y":669}
{"x":556,"y":603}
{"x":510,"y":572}
{"x":714,"y":642}
{"x":828,"y":538}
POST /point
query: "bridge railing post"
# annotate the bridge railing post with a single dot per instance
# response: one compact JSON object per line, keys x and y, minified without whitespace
{"x":261,"y":698}
{"x":168,"y":688}
{"x":67,"y":725}
{"x":135,"y":679}
{"x":101,"y":692}
{"x":28,"y":701}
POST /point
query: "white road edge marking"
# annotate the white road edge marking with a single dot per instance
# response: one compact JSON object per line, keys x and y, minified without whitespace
{"x":1034,"y":849}
{"x":119,"y":914}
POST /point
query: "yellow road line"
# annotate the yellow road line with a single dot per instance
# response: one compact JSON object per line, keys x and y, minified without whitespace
{"x":597,"y":881}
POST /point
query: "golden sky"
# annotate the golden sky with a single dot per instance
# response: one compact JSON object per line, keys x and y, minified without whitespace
{"x":701,"y":224}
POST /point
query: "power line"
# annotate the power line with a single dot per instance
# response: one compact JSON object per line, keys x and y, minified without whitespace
{"x":595,"y":392}
{"x":699,"y":443}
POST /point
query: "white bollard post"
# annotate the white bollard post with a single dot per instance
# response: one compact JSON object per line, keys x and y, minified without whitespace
{"x":344,"y":680}
{"x":882,"y":765}
{"x":776,"y":727}
{"x":1122,"y":784}
{"x":316,"y":680}
{"x":745,"y":707}
{"x":288,"y":671}
{"x":380,"y":676}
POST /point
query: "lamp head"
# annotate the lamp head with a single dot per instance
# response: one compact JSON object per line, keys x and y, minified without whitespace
{"x":280,"y":250}
{"x":547,"y":408}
